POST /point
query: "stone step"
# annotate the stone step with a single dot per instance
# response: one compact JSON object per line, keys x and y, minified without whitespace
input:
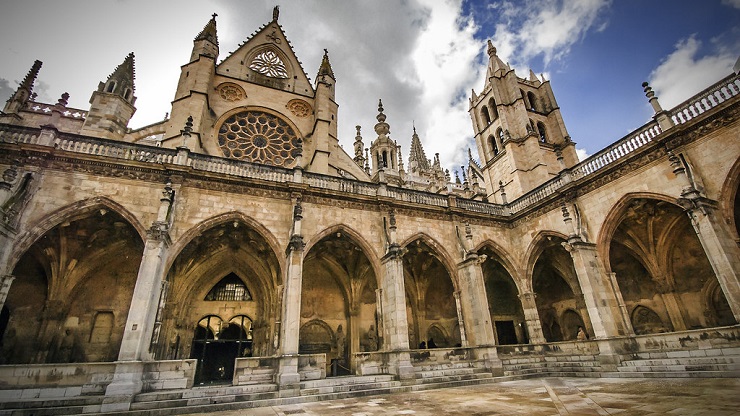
{"x":21,"y":403}
{"x":349,"y":388}
{"x":447,"y":366}
{"x":733,"y":368}
{"x":671,"y":374}
{"x":683,"y":361}
{"x":340,"y":381}
{"x":453,"y":378}
{"x":212,"y":391}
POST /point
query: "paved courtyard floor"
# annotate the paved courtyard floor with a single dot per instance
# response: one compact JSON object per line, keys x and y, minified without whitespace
{"x":545,"y":396}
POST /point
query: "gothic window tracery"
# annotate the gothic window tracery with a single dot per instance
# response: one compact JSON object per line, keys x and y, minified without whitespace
{"x":230,"y":288}
{"x":231,"y":92}
{"x":256,"y":136}
{"x":268,"y":63}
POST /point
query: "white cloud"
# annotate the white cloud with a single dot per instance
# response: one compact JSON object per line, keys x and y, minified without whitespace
{"x":582,"y":154}
{"x":548,"y":28}
{"x":684,"y":73}
{"x":732,"y":3}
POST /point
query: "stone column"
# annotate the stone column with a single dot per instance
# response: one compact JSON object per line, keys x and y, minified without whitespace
{"x":142,"y":313}
{"x":532,"y":318}
{"x":721,"y":250}
{"x":288,"y":378}
{"x":474,"y":304}
{"x":599,"y":298}
{"x":622,"y":306}
{"x":460,"y":320}
{"x":5,"y":282}
{"x":393,"y":298}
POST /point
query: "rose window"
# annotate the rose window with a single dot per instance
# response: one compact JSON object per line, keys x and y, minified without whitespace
{"x":231,"y":92}
{"x":259,"y":137}
{"x":269,"y":64}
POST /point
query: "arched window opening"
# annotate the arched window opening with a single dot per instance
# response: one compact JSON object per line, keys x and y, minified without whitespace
{"x":127,"y":94}
{"x":541,"y":130}
{"x":494,"y":146}
{"x":486,"y":116}
{"x":384,"y":159}
{"x":524,"y":97}
{"x":494,"y":109}
{"x":532,"y":101}
{"x":230,"y":288}
{"x":500,"y":135}
{"x":110,"y":87}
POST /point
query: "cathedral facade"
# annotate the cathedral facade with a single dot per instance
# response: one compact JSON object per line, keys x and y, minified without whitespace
{"x":237,"y":242}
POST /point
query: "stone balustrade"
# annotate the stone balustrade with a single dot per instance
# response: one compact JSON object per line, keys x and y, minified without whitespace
{"x":628,"y":145}
{"x":69,"y":112}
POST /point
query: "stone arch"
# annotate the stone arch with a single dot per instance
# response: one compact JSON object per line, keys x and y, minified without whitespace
{"x":729,"y":200}
{"x":76,"y":268}
{"x":70,"y":212}
{"x":439,"y":251}
{"x":534,"y":250}
{"x":716,"y":308}
{"x":570,"y":321}
{"x":441,"y":336}
{"x":646,"y":321}
{"x":356,"y":237}
{"x":322,"y":339}
{"x":506,"y":260}
{"x":209,"y":223}
{"x":614,"y":218}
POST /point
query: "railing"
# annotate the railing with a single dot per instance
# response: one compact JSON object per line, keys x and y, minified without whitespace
{"x":417,"y":197}
{"x":700,"y":103}
{"x":238,"y":168}
{"x":114,"y":149}
{"x":481,"y":207}
{"x":707,"y":99}
{"x":340,"y":184}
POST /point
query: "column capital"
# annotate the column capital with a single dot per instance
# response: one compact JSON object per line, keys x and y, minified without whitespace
{"x":296,"y":244}
{"x":159,"y":232}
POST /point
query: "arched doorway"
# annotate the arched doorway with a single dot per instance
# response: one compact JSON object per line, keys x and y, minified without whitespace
{"x":557,"y":293}
{"x":504,"y":305}
{"x":660,"y":266}
{"x":216,"y":344}
{"x":223,"y":280}
{"x":431,"y":306}
{"x":72,"y":292}
{"x":338,"y":301}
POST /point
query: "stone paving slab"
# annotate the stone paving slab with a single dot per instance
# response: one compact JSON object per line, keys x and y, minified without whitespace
{"x":538,"y":397}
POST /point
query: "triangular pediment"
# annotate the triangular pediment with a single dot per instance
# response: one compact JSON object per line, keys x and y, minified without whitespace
{"x":267,"y":58}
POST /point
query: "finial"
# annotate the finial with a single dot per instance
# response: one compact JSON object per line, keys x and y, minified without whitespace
{"x":188,"y":127}
{"x":380,"y":105}
{"x":275,"y":13}
{"x":213,"y":16}
{"x":648,"y":90}
{"x":491,"y":48}
{"x":63,"y":100}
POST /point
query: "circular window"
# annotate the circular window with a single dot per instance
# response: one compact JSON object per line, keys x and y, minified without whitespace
{"x":259,"y":137}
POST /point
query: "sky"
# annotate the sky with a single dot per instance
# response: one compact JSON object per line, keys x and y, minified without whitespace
{"x":421,"y":57}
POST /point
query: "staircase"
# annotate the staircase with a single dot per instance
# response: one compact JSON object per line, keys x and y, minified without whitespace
{"x":716,"y":362}
{"x":552,"y":365}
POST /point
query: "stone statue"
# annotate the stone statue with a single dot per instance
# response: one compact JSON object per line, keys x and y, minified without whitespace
{"x":340,"y":342}
{"x":581,"y":336}
{"x":372,"y":339}
{"x":66,"y":347}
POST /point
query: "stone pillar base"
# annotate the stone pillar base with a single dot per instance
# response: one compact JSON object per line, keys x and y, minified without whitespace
{"x":399,"y":364}
{"x":288,"y":379}
{"x":126,"y":384}
{"x":608,"y":358}
{"x":489,"y":355}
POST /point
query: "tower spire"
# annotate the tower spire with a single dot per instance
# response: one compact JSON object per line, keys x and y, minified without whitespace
{"x":417,"y":158}
{"x":325,"y":68}
{"x":23,"y":93}
{"x":209,"y":31}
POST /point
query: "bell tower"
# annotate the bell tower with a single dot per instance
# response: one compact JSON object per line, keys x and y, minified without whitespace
{"x":112,"y":105}
{"x":519,"y":131}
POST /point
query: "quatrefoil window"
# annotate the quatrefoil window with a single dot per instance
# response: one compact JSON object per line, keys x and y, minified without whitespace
{"x":255,"y":136}
{"x":268,"y":63}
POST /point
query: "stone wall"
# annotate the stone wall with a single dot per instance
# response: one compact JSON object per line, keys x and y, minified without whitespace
{"x":18,"y":382}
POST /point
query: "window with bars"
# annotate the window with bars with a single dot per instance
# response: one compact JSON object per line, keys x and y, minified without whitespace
{"x":230,"y":288}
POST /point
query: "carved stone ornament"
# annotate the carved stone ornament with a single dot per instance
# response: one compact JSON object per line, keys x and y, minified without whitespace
{"x":299,"y":108}
{"x":268,"y":63}
{"x":259,"y":137}
{"x":231,"y":92}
